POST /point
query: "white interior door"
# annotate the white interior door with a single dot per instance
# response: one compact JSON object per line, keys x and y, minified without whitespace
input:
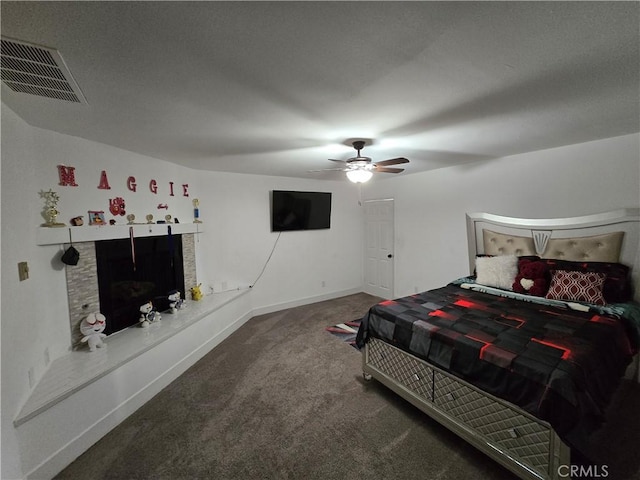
{"x":378,"y":251}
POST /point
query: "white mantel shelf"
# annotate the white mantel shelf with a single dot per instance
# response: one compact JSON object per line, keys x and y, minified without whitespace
{"x":93,"y":233}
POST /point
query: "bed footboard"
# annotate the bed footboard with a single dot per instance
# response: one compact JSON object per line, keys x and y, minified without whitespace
{"x":523,"y":444}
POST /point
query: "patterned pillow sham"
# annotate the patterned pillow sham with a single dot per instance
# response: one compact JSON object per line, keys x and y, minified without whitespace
{"x":617,"y":285}
{"x":577,"y":286}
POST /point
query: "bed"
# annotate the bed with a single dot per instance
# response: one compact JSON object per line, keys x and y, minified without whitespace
{"x":524,"y":378}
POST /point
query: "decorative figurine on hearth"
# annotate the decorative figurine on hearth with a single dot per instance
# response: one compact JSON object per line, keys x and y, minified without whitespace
{"x":196,"y":293}
{"x":148,"y":315}
{"x":175,"y":302}
{"x":92,"y":327}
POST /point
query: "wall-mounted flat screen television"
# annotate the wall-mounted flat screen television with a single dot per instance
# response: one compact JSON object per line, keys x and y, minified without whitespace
{"x":300,"y":210}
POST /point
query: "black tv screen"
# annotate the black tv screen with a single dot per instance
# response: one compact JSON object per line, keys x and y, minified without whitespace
{"x":300,"y":210}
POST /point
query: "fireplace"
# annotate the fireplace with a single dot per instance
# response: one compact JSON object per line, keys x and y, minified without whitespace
{"x":83,"y":280}
{"x":131,"y":274}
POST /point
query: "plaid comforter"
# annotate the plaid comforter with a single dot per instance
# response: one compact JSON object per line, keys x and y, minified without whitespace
{"x":560,"y":365}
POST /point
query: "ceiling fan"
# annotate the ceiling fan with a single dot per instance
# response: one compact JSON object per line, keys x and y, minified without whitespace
{"x":360,"y":169}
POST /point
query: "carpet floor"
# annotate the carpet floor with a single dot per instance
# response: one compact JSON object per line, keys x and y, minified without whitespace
{"x":282,"y":399}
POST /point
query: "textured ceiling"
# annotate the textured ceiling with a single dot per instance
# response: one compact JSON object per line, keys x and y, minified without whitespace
{"x":276,"y":88}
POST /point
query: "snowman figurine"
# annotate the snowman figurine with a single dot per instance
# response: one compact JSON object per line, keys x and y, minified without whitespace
{"x":91,"y":327}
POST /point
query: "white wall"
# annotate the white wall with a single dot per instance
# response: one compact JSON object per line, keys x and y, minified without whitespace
{"x":430,"y":208}
{"x":234,"y":248}
{"x":236,"y":211}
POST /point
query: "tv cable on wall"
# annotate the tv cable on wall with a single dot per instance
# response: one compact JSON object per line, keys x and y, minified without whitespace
{"x":267,"y":262}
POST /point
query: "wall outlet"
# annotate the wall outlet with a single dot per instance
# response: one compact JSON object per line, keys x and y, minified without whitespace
{"x":23,"y":270}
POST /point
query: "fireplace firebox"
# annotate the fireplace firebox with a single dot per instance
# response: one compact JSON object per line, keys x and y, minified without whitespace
{"x":134,"y":272}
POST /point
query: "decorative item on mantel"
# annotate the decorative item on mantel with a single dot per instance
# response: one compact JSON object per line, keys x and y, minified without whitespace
{"x":51,"y":212}
{"x":96,"y":217}
{"x":148,"y":315}
{"x":175,"y":302}
{"x":77,"y":221}
{"x":196,"y":211}
{"x":149,"y":218}
{"x":196,"y":293}
{"x":92,"y":327}
{"x":130,"y":219}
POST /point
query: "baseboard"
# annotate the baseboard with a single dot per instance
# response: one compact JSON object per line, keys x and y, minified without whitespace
{"x":276,"y":307}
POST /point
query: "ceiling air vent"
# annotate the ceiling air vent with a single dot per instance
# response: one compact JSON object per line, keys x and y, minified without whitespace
{"x":38,"y":71}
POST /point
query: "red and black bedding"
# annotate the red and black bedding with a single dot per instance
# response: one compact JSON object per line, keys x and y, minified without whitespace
{"x":560,"y":361}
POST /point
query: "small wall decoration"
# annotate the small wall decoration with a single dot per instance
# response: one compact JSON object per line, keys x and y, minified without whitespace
{"x":51,"y":212}
{"x":77,"y":221}
{"x":116,"y":206}
{"x":67,"y":176}
{"x":104,"y":181}
{"x":96,"y":217}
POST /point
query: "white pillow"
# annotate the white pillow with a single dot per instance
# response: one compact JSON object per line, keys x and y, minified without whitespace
{"x":497,"y":271}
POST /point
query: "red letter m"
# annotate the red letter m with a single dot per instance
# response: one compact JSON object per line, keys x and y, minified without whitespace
{"x":67,"y":176}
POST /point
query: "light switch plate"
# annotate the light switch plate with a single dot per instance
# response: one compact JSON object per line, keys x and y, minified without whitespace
{"x":23,"y":271}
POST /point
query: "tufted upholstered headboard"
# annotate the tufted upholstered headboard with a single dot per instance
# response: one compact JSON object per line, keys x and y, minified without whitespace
{"x":604,"y":237}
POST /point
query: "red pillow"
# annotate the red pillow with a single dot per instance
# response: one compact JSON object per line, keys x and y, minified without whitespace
{"x":577,"y":286}
{"x":617,"y":284}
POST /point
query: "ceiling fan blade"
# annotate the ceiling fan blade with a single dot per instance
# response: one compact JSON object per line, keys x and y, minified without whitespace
{"x":329,"y":170}
{"x":393,"y":161}
{"x":388,"y":170}
{"x":334,"y":160}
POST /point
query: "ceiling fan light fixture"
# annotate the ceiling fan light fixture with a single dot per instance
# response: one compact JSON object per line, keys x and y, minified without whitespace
{"x":359,"y":176}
